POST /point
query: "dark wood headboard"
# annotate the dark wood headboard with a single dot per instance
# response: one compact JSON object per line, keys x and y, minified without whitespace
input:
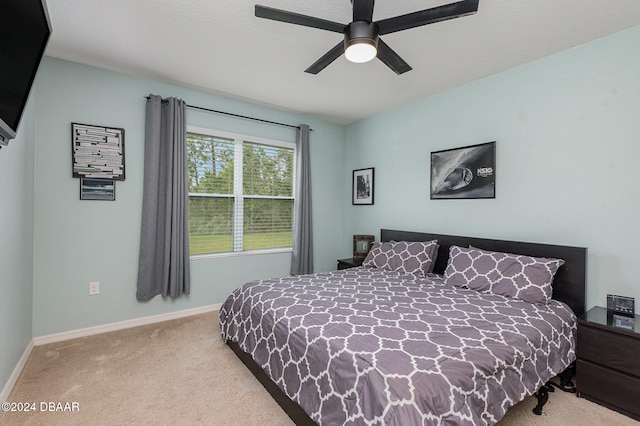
{"x":569,"y":284}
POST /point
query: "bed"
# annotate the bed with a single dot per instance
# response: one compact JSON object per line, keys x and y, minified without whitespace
{"x":410,"y":345}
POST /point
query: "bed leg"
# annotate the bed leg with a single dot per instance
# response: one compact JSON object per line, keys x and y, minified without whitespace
{"x":543,"y":397}
{"x":565,"y":385}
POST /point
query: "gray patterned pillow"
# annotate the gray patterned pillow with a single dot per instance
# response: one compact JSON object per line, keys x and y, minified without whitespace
{"x":518,"y":276}
{"x":377,"y":254}
{"x":407,"y":257}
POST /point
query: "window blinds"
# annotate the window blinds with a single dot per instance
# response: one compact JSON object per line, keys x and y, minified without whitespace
{"x":240,"y":195}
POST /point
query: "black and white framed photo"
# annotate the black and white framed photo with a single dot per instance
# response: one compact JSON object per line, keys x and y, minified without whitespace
{"x":97,"y":189}
{"x":464,"y":173}
{"x":363,"y":186}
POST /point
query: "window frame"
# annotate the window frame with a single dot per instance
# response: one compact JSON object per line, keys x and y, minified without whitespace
{"x":239,"y":140}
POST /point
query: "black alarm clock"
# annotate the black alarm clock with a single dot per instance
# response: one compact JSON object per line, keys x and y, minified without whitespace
{"x":621,"y":304}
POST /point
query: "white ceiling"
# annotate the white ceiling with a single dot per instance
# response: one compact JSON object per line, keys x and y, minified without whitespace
{"x":219,"y":46}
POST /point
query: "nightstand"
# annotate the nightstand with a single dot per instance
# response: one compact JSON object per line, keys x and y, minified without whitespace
{"x":608,"y":366}
{"x":350,"y":262}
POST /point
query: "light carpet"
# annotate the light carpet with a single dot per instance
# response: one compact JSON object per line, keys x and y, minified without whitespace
{"x":180,"y":372}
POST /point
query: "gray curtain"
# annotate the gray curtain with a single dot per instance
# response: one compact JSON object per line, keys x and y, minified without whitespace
{"x":302,"y":258}
{"x":164,"y":241}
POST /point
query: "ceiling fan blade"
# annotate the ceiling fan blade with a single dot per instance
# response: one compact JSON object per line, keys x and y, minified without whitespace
{"x":428,"y":16}
{"x":298,"y":19}
{"x":362,"y":10}
{"x":392,"y":59}
{"x":328,"y":57}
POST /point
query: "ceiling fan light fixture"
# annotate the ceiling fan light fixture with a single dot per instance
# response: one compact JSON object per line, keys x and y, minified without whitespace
{"x":360,"y":52}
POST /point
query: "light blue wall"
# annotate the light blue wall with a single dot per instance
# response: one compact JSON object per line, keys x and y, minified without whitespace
{"x":81,"y":241}
{"x":568,"y":152}
{"x":567,"y":134}
{"x":16,"y":245}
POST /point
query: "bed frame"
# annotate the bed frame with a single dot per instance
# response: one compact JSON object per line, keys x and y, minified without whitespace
{"x":569,"y":286}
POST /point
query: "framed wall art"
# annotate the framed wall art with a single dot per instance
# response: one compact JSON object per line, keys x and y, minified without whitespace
{"x":97,"y":189}
{"x":363,"y":187}
{"x":97,"y":151}
{"x":464,"y":173}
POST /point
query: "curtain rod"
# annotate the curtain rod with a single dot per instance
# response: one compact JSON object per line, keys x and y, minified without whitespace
{"x":239,"y":116}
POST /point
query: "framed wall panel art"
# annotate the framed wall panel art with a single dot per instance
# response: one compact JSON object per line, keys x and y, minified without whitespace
{"x":98,"y":152}
{"x":464,"y":173}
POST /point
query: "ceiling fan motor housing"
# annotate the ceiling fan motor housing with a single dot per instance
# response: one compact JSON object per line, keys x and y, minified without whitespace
{"x":361,"y":32}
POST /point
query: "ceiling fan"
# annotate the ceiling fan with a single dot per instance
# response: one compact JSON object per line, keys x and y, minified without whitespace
{"x":361,"y":37}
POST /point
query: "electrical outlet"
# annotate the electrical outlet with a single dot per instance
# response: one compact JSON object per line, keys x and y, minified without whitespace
{"x":94,"y":288}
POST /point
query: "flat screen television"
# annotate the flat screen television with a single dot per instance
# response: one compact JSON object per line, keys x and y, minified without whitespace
{"x":24,"y":33}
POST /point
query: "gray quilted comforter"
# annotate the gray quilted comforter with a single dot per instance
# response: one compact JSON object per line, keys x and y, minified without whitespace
{"x":367,"y":346}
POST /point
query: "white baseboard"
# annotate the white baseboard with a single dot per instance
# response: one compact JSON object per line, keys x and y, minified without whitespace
{"x":73,"y":334}
{"x":16,"y":373}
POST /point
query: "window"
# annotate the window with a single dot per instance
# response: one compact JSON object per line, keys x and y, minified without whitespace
{"x":240,"y":192}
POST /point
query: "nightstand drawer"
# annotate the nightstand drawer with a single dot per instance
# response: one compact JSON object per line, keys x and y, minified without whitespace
{"x":608,"y":387}
{"x":609,"y":349}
